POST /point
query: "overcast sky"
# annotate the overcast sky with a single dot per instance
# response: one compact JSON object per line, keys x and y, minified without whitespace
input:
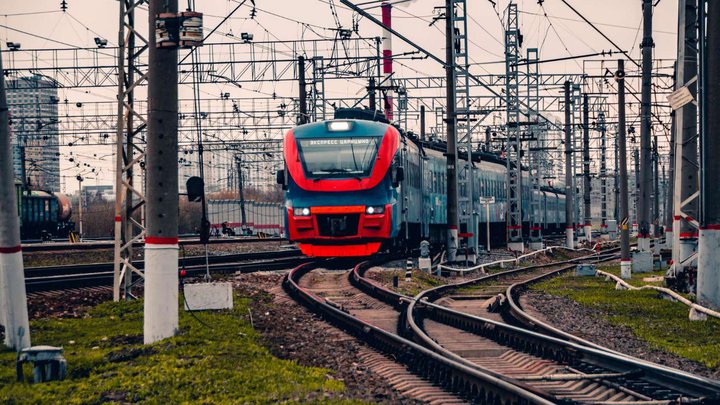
{"x":553,"y":28}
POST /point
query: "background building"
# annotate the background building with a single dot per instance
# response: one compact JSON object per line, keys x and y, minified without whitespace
{"x":33,"y":106}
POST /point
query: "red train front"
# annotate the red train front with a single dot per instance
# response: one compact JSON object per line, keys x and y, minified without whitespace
{"x":341,"y":179}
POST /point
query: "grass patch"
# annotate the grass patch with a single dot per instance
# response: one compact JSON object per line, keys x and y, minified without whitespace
{"x":661,"y":323}
{"x":636,"y":279}
{"x":108,"y":362}
{"x":420,"y":281}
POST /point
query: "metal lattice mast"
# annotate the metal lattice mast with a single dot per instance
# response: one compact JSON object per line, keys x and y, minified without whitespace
{"x":603,"y":170}
{"x":317,"y":95}
{"x":535,"y":147}
{"x":587,"y":220}
{"x":451,"y":135}
{"x":514,"y":167}
{"x":569,"y":174}
{"x":577,"y":148}
{"x":129,"y":198}
{"x":685,"y":179}
{"x":466,"y":206}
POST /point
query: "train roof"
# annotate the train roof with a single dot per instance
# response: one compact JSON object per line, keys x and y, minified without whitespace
{"x":378,"y":118}
{"x":358,"y":127}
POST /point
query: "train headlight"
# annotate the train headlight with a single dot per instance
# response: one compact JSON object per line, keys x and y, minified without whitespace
{"x":339,"y":126}
{"x":375,"y":209}
{"x":301,"y":212}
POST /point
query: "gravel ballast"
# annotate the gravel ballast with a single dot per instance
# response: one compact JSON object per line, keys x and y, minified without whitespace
{"x":587,"y":323}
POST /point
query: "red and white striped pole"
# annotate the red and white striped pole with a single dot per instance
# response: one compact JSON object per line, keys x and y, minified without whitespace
{"x":387,"y":57}
{"x":161,"y":240}
{"x":13,"y":301}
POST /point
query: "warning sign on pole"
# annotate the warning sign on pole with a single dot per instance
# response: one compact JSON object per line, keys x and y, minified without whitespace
{"x":680,"y":98}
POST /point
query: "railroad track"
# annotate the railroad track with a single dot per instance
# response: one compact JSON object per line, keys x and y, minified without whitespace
{"x":483,"y":359}
{"x":378,"y":322}
{"x":50,"y":278}
{"x":109,"y":244}
{"x":457,"y":322}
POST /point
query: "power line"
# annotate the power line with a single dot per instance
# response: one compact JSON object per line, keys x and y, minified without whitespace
{"x":600,"y":32}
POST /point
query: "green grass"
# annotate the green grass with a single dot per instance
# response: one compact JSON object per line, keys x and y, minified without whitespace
{"x":108,"y":362}
{"x":636,"y":279}
{"x":661,"y":323}
{"x":420,"y":281}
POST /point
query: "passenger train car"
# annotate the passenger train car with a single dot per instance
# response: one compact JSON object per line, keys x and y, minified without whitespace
{"x":353,"y":186}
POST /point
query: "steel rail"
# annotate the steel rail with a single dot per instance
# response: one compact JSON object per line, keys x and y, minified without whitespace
{"x":101,"y":244}
{"x":679,"y":380}
{"x":704,"y":389}
{"x":400,"y":300}
{"x":92,"y":275}
{"x":477,"y":386}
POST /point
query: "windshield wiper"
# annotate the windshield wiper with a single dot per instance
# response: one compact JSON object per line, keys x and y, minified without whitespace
{"x":330,"y":171}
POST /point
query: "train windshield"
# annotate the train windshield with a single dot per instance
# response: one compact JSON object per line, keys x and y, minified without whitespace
{"x":338,"y":157}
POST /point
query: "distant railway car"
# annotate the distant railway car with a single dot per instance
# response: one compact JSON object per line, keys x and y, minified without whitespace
{"x":353,"y":186}
{"x":260,"y":217}
{"x":43,"y":215}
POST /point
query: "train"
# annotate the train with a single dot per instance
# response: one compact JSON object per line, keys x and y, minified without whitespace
{"x":43,"y":215}
{"x":356,"y":184}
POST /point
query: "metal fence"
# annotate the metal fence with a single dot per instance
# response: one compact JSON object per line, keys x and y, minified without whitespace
{"x":260,"y":217}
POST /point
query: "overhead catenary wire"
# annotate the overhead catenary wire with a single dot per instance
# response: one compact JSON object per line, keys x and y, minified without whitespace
{"x":601,"y":33}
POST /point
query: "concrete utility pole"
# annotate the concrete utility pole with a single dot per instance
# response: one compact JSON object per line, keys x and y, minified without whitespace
{"x":587,"y":228}
{"x":569,"y":187}
{"x":646,"y":186}
{"x":161,"y":242}
{"x":616,"y":180}
{"x":709,"y":242}
{"x":13,"y":301}
{"x":386,"y":9}
{"x":685,"y":176}
{"x":636,"y":162}
{"x":625,"y":262}
{"x":670,"y":182}
{"x":656,"y":193}
{"x":302,"y":92}
{"x":450,"y":121}
{"x":80,"y":205}
{"x":241,"y":193}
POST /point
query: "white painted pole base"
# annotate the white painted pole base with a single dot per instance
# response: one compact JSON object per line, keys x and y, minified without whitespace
{"x":708,"y":277}
{"x":516,"y":246}
{"x":676,"y":241}
{"x":535,"y":245}
{"x":452,"y":239}
{"x":588,"y":232}
{"x":686,"y":248}
{"x":643,"y":244}
{"x":116,"y":271}
{"x":625,"y":269}
{"x":14,"y":301}
{"x":161,"y":292}
{"x":569,"y":238}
